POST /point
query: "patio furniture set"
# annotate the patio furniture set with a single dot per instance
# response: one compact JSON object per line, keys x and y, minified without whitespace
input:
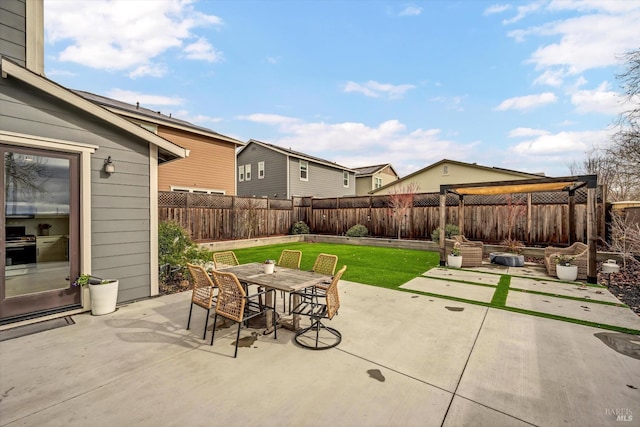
{"x":313,"y":294}
{"x":472,"y":254}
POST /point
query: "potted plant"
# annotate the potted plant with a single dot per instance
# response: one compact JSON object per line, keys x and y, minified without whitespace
{"x":454,"y":259}
{"x":269,"y":266}
{"x":565,"y":270}
{"x":103,"y":293}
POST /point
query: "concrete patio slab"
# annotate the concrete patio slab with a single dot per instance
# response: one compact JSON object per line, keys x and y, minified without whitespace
{"x":451,"y":289}
{"x":576,"y":290}
{"x":575,"y":309}
{"x":463,"y":275}
{"x":405,"y":360}
{"x":550,"y":373}
{"x":529,"y":270}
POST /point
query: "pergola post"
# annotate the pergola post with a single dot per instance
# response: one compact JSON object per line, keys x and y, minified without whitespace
{"x":443,"y":207}
{"x":572,"y":217}
{"x":461,"y":214}
{"x":592,"y":274}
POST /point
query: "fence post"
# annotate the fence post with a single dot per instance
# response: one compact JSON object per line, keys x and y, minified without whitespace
{"x":572,"y":217}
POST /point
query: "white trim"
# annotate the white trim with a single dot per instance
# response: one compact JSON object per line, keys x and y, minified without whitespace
{"x":247,"y":172}
{"x":348,"y":179}
{"x":11,"y":69}
{"x":261,"y":169}
{"x":35,"y":36}
{"x":85,"y":151}
{"x":153,"y":220}
{"x":241,"y":173}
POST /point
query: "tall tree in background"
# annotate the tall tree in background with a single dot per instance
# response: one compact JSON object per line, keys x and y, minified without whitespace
{"x":401,"y":202}
{"x":625,"y":150}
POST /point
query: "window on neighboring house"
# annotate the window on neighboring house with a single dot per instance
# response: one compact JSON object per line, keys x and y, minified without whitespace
{"x":345,"y":178}
{"x":241,"y":173}
{"x":247,"y":172}
{"x":260,"y":170}
{"x":196,"y":190}
{"x":377,"y":182}
{"x":445,"y":170}
{"x":304,"y":170}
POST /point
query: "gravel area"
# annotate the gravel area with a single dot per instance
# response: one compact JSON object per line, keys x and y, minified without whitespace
{"x":625,"y":285}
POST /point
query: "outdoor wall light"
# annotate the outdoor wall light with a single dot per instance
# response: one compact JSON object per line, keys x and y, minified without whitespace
{"x":109,"y":167}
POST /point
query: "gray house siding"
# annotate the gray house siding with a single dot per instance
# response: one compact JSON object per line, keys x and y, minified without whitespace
{"x":13,"y":30}
{"x":323,"y":181}
{"x":274,"y":183}
{"x":120,"y":202}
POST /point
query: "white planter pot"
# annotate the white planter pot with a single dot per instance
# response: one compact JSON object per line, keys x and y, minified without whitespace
{"x":103,"y":298}
{"x":567,"y":272}
{"x":454,"y":261}
{"x":268,"y":268}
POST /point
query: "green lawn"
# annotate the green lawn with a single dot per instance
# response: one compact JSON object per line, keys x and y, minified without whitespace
{"x":385,"y":267}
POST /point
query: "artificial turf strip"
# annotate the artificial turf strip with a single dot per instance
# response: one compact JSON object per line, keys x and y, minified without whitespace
{"x":502,"y":290}
{"x":589,"y":300}
{"x":530,"y":313}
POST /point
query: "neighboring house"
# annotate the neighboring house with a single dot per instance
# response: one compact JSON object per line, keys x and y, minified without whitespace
{"x":429,"y":179}
{"x":211,"y":165}
{"x":370,"y":178}
{"x":65,"y":211}
{"x":266,"y":170}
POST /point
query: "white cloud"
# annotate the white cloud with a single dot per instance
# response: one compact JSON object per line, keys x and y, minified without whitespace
{"x":410,"y":11}
{"x":202,"y":50}
{"x":600,"y":100}
{"x":270,"y":119}
{"x":376,"y":90}
{"x":523,"y":11}
{"x":527,"y":102}
{"x":562,"y":143}
{"x":496,"y":8}
{"x":124,"y":35}
{"x":595,"y":38}
{"x":453,"y":103}
{"x":144,"y":99}
{"x":524,"y":132}
{"x":197,"y":119}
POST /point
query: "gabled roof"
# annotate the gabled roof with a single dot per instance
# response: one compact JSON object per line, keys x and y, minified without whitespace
{"x":167,"y":150}
{"x":473,"y":165}
{"x":296,"y":154}
{"x":370,"y":170}
{"x":145,"y":114}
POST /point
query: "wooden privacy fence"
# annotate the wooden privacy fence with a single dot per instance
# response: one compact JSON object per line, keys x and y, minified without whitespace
{"x":535,"y":219}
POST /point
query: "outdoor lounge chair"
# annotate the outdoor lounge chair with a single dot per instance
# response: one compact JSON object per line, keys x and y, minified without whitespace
{"x":578,"y":250}
{"x":234,"y":304}
{"x":203,"y":293}
{"x":471,"y":251}
{"x":310,"y":306}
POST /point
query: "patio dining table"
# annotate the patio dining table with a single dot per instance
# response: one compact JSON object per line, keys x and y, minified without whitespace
{"x":282,"y":279}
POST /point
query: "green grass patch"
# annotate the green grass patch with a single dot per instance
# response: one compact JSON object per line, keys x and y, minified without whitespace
{"x":371,"y":265}
{"x":589,"y":300}
{"x":502,"y":290}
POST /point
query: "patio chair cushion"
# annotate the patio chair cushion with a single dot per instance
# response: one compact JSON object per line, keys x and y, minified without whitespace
{"x":471,"y":252}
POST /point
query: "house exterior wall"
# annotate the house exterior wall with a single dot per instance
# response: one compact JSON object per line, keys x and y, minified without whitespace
{"x":120,"y":203}
{"x":430,"y":179}
{"x":323,"y":181}
{"x":210,"y":165}
{"x":274,"y":183}
{"x":366,"y":184}
{"x":13,"y":27}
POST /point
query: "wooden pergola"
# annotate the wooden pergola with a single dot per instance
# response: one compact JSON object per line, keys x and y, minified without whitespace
{"x":569,"y":184}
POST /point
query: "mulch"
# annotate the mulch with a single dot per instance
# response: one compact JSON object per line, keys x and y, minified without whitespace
{"x":624,"y":285}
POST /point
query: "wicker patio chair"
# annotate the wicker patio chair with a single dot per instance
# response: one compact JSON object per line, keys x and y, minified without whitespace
{"x":578,"y":250}
{"x":325,"y":264}
{"x":203,"y":293}
{"x":225,"y":259}
{"x":310,"y":306}
{"x":234,"y":304}
{"x":289,"y":259}
{"x":471,"y":252}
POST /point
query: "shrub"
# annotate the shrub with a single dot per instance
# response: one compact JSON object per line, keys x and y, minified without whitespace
{"x":512,"y":245}
{"x":450,"y":230}
{"x":357,"y":230}
{"x":300,"y":227}
{"x":176,"y":249}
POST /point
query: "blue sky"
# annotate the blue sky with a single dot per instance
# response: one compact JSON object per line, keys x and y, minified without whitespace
{"x":527,"y":85}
